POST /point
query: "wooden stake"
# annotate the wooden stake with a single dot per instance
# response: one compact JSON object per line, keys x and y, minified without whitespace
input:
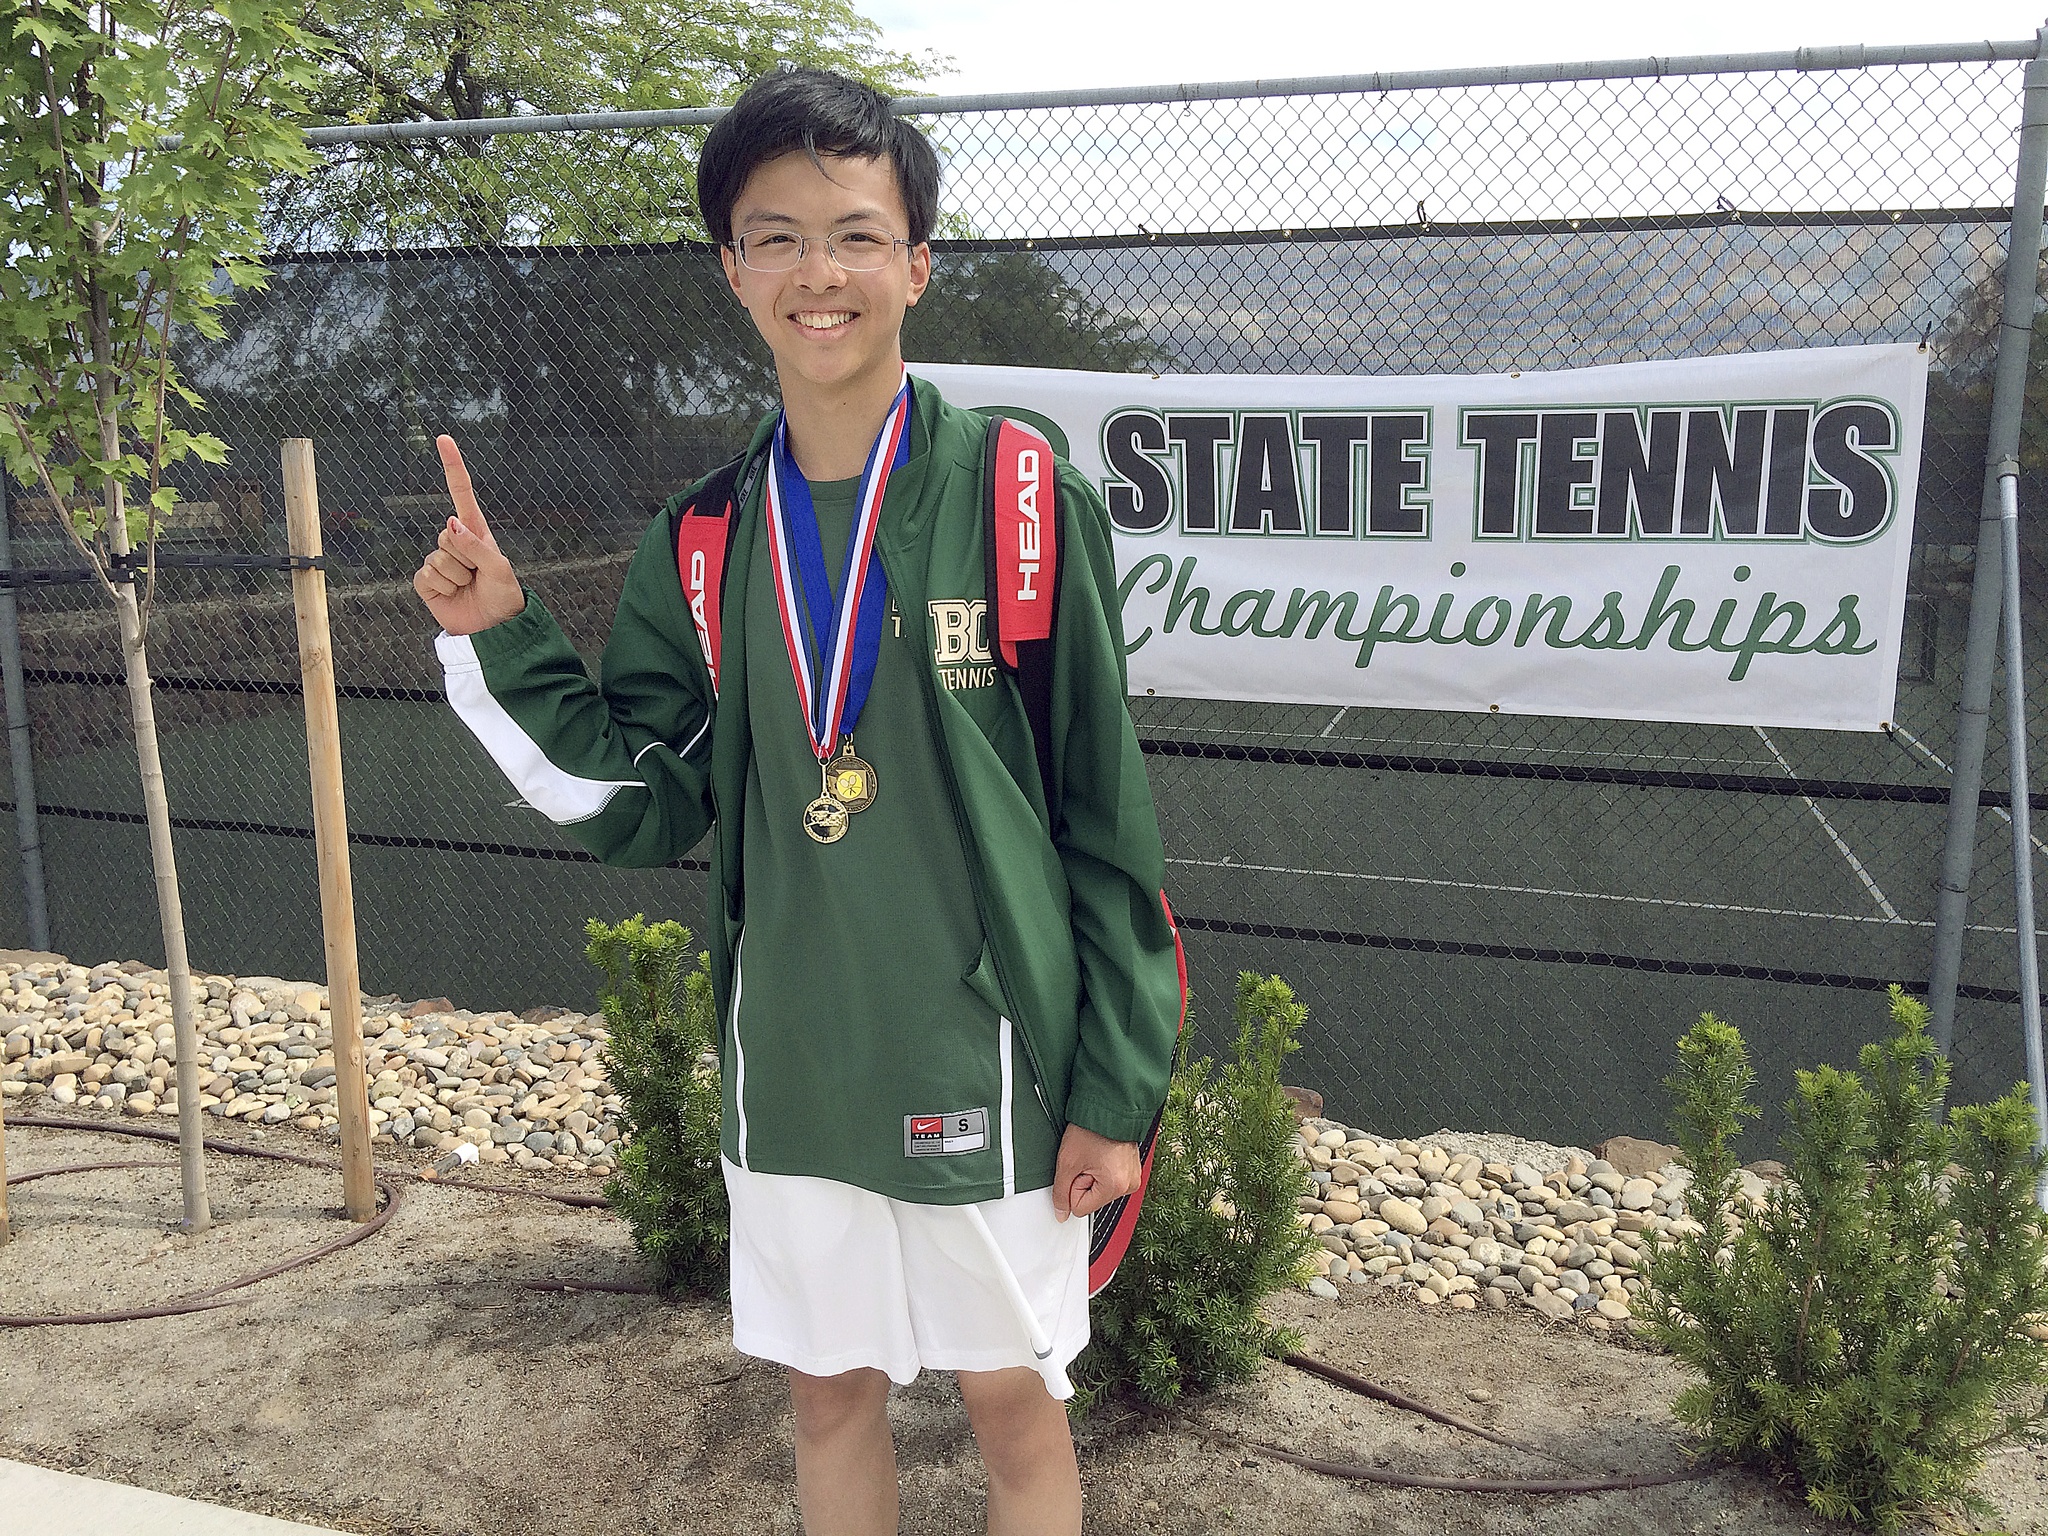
{"x":330,"y":833}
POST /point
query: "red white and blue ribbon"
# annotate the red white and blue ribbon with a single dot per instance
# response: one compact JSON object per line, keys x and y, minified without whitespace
{"x":832,"y":646}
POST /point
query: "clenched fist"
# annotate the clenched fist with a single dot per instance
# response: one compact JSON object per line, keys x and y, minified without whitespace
{"x":1092,"y":1171}
{"x":466,"y":581}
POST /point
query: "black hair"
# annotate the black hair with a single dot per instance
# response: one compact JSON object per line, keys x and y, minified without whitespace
{"x":819,"y":113}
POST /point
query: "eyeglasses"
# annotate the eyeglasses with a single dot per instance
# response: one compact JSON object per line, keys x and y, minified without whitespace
{"x":852,"y":250}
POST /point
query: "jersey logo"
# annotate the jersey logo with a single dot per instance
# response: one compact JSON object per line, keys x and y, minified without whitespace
{"x":960,"y":643}
{"x":960,"y":1130}
{"x":959,"y":631}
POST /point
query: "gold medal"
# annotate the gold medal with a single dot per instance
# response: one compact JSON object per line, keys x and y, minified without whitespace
{"x":825,"y":820}
{"x":849,"y":780}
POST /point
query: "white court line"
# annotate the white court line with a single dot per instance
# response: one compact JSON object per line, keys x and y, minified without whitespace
{"x":1894,"y":921}
{"x":1877,"y":893}
{"x":1935,"y":758}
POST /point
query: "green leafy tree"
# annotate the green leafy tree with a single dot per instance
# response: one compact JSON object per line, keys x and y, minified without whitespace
{"x":396,"y":61}
{"x":1218,"y":1232}
{"x":1868,"y":1331}
{"x":1012,"y":307}
{"x":138,"y":138}
{"x":662,"y":1058}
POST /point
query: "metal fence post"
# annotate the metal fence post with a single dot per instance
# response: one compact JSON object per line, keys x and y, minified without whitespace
{"x":2008,"y":397}
{"x":27,"y":829}
{"x":2022,"y":843}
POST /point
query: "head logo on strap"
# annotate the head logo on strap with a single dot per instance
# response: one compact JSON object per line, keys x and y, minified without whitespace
{"x":703,"y":535}
{"x":1024,"y":559}
{"x":700,"y":561}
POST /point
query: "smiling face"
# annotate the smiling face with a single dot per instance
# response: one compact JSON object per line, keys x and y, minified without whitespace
{"x":834,"y":333}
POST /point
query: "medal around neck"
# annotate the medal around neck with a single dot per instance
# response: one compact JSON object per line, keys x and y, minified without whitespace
{"x":850,"y":780}
{"x":825,"y":820}
{"x":833,"y":646}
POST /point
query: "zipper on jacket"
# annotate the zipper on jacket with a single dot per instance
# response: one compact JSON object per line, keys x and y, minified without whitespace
{"x":928,"y":685}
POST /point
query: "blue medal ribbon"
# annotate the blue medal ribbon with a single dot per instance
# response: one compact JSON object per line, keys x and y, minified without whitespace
{"x":833,"y":662}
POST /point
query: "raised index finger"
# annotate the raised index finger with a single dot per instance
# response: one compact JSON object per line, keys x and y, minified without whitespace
{"x":460,"y":491}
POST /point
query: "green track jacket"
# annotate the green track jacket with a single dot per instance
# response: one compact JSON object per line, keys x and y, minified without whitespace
{"x":1077,"y":951}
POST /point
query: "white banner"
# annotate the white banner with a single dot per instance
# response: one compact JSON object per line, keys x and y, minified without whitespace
{"x":1719,"y":539}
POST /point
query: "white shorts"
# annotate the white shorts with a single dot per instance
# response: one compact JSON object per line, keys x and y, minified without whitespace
{"x":828,"y":1277}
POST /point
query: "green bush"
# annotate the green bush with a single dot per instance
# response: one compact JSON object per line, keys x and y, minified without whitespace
{"x":1866,"y":1331}
{"x":668,"y":1188}
{"x":1219,"y":1228}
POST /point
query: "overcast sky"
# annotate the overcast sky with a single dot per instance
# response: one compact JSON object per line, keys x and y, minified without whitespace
{"x":1005,"y":45}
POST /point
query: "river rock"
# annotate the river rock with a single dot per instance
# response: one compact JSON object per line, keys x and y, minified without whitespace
{"x":1308,"y":1104}
{"x":1403,"y":1217}
{"x":56,"y":1064}
{"x":1631,"y":1156}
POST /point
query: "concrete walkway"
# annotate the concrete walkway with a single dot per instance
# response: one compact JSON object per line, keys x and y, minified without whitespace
{"x":37,"y":1502}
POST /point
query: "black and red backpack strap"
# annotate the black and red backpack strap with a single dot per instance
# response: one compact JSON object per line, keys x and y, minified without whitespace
{"x":1022,"y":550}
{"x":1111,"y":1229}
{"x":1021,"y":547}
{"x":703,"y":540}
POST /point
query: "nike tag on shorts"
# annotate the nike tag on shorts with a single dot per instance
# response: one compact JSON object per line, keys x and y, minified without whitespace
{"x":961,"y":1130}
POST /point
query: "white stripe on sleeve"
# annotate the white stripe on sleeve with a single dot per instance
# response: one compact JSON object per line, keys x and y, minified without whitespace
{"x":563,"y":797}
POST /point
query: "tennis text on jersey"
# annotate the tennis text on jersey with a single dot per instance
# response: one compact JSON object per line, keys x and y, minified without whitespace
{"x":1780,"y":471}
{"x":961,"y":1130}
{"x":960,"y":643}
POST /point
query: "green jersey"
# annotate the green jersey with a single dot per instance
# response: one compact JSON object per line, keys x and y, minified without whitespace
{"x":923,"y":1006}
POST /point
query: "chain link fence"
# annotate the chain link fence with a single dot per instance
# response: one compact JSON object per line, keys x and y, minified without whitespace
{"x":1495,"y":921}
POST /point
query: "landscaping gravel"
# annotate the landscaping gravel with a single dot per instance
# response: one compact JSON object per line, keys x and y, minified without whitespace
{"x":525,"y":1089}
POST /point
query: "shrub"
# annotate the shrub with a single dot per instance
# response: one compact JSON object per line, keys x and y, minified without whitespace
{"x":668,"y":1188}
{"x":1219,"y":1229}
{"x":1866,"y":1332}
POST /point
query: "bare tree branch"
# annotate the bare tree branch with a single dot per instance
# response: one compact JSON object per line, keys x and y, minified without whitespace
{"x":377,"y":78}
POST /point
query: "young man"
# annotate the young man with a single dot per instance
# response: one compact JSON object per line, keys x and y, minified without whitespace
{"x":948,"y":989}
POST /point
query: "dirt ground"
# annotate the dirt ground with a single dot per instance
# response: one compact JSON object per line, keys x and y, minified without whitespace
{"x":409,"y":1387}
